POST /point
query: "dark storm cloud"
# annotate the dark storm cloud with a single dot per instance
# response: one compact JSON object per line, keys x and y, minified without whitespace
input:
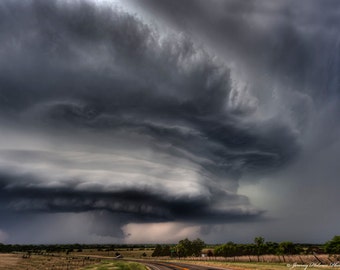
{"x":287,"y":54}
{"x":25,"y":194}
{"x":291,"y":42}
{"x":101,"y":78}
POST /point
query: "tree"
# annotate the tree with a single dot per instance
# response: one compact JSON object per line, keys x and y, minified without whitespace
{"x":157,"y":251}
{"x":288,"y":248}
{"x":227,"y":250}
{"x":271,"y":248}
{"x":183,"y":248}
{"x":186,"y":247}
{"x":333,"y":246}
{"x":259,"y":242}
{"x":166,"y":251}
{"x":197,"y":246}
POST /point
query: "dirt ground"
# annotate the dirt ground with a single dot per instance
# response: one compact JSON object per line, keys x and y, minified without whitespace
{"x":86,"y":259}
{"x":61,"y":261}
{"x":44,"y":262}
{"x":8,"y":260}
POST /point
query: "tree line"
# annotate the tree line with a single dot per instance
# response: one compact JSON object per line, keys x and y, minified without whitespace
{"x":69,"y":247}
{"x":260,"y":247}
{"x":187,"y":248}
{"x":184,"y":248}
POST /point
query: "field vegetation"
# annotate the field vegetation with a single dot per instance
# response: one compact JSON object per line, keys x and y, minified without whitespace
{"x":110,"y":265}
{"x":257,"y":255}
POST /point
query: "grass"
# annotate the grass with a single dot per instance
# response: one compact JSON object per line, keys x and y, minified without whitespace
{"x":263,"y":266}
{"x":100,"y":260}
{"x":253,"y":265}
{"x":238,"y":265}
{"x":126,"y":252}
{"x":62,"y":262}
{"x":109,"y":265}
{"x":47,"y":262}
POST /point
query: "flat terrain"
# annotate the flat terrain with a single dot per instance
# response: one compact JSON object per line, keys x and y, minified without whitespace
{"x":254,"y":265}
{"x":138,"y":259}
{"x":37,"y":262}
{"x":114,"y":265}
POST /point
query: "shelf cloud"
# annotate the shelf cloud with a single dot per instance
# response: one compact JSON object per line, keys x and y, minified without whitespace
{"x":123,"y":123}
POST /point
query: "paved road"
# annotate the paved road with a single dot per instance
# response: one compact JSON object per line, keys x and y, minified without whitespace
{"x":154,"y":265}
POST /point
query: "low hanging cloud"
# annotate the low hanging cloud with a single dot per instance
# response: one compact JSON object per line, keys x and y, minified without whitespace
{"x":101,"y":112}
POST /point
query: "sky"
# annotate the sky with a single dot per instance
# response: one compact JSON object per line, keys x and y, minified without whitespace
{"x":149,"y":121}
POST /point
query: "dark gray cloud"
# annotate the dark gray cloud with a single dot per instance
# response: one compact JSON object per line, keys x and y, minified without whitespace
{"x":290,"y":43}
{"x":141,"y":205}
{"x":287,"y":55}
{"x":105,"y":115}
